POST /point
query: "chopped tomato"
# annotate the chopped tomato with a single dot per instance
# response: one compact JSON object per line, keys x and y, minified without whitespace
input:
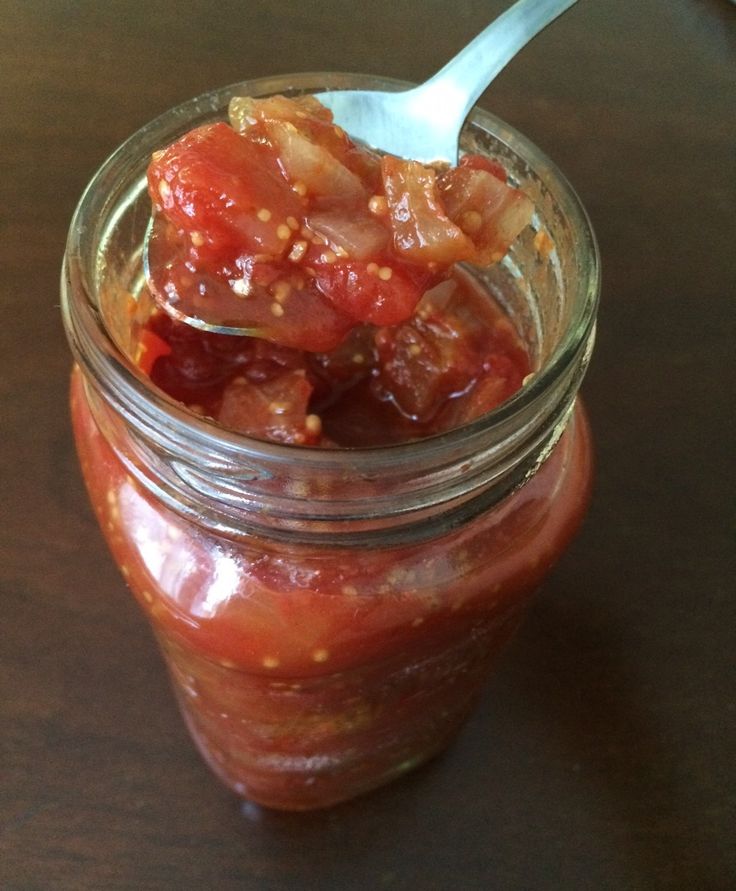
{"x":480,"y":162}
{"x":383,"y":295}
{"x":224,"y":192}
{"x":340,"y":369}
{"x":301,"y":113}
{"x":198,"y":365}
{"x":422,"y":231}
{"x":312,"y":166}
{"x":453,"y":360}
{"x":490,"y":212}
{"x":311,"y":119}
{"x":424,"y":363}
{"x":354,"y":234}
{"x":274,"y":409}
{"x":305,"y":112}
{"x":151,"y":347}
{"x":270,"y":298}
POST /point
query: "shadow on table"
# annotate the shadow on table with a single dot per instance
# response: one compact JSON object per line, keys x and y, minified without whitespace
{"x":608,"y":704}
{"x":568,"y":724}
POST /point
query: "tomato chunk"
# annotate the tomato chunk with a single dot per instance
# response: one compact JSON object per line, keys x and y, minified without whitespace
{"x":383,"y":295}
{"x":481,"y":162}
{"x":312,"y":166}
{"x":223,"y":191}
{"x":490,"y":212}
{"x":269,"y":298}
{"x":307,"y":116}
{"x":275,"y":409}
{"x":422,"y":231}
{"x":455,"y":357}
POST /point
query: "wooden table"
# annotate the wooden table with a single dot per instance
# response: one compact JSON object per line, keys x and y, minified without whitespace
{"x":602,"y":755}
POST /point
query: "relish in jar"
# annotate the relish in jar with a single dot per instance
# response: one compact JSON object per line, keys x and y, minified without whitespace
{"x":335,"y":523}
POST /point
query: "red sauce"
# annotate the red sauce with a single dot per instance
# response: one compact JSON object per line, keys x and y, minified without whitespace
{"x":456,"y":358}
{"x":309,"y":675}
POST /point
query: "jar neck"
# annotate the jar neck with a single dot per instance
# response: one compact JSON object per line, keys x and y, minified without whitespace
{"x":401,"y":493}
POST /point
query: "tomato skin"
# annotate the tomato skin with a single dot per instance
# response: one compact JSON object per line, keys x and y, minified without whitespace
{"x":492,"y":213}
{"x":275,"y":409}
{"x":358,"y":288}
{"x":481,"y":162}
{"x":422,"y":231}
{"x":151,"y":348}
{"x":212,"y":183}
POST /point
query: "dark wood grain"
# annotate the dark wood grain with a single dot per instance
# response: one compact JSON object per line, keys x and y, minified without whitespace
{"x":603,"y":753}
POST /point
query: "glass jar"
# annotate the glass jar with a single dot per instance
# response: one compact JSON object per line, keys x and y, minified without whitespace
{"x":329,"y":616}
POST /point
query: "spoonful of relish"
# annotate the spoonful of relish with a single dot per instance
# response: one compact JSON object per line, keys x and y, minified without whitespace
{"x":278,"y":225}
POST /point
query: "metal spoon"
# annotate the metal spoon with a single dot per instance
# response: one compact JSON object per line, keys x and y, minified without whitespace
{"x":422,"y":123}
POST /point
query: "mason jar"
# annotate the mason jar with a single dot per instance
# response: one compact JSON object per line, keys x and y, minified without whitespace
{"x":329,"y":616}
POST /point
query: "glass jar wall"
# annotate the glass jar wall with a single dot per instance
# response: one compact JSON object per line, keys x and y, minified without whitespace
{"x":329,"y":616}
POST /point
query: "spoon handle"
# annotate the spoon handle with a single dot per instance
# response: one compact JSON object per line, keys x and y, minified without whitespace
{"x":464,"y":78}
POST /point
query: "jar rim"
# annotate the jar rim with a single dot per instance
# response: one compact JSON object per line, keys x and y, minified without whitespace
{"x":136,"y":389}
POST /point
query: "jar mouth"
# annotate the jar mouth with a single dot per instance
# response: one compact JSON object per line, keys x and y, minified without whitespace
{"x":181,"y":117}
{"x":184,"y":436}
